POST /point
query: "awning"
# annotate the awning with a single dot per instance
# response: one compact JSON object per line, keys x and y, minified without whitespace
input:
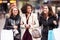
{"x":12,"y":1}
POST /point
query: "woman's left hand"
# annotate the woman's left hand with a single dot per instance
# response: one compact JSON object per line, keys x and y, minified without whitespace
{"x":27,"y":26}
{"x":55,"y":22}
{"x":15,"y":27}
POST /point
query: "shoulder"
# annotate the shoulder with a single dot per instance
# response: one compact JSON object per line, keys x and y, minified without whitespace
{"x":41,"y":16}
{"x":7,"y":15}
{"x":53,"y":16}
{"x":22,"y":15}
{"x":34,"y":14}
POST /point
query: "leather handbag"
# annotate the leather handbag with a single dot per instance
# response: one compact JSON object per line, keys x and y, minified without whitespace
{"x":36,"y":33}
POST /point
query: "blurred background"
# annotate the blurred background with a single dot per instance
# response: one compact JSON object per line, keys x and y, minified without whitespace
{"x":37,"y":4}
{"x":5,"y":4}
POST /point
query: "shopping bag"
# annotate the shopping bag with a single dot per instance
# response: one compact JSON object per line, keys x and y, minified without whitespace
{"x":6,"y":35}
{"x":51,"y":35}
{"x":27,"y":35}
{"x":56,"y":32}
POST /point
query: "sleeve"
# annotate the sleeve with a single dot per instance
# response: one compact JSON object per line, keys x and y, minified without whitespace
{"x":22,"y":25}
{"x":40,"y":20}
{"x":35,"y":21}
{"x":56,"y":19}
{"x":7,"y":26}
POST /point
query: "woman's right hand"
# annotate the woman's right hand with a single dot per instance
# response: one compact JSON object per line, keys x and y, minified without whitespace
{"x":27,"y":26}
{"x":55,"y":22}
{"x":15,"y":27}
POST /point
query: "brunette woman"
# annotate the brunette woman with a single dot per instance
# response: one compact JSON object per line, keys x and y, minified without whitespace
{"x":49,"y":21}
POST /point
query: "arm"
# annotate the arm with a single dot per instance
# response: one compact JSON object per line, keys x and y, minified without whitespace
{"x":35,"y":23}
{"x":7,"y":26}
{"x":55,"y":22}
{"x":22,"y":25}
{"x":40,"y":20}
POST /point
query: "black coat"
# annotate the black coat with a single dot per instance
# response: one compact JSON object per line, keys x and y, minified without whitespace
{"x":10,"y":22}
{"x":47,"y":25}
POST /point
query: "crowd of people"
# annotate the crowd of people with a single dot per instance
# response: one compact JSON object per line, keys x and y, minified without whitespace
{"x":24,"y":24}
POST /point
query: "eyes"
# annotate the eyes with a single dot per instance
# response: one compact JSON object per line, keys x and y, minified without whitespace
{"x":46,"y":8}
{"x":15,"y":10}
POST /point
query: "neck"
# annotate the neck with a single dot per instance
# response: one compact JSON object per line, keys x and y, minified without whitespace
{"x":46,"y":14}
{"x":27,"y":14}
{"x":14,"y":15}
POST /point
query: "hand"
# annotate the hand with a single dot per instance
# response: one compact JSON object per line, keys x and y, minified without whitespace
{"x":55,"y":22}
{"x":27,"y":26}
{"x":21,"y":23}
{"x":15,"y":27}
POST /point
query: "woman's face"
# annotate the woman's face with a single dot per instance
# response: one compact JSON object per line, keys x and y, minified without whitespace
{"x":15,"y":11}
{"x":29,"y":9}
{"x":45,"y":9}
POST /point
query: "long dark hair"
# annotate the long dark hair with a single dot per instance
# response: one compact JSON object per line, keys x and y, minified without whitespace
{"x":50,"y":12}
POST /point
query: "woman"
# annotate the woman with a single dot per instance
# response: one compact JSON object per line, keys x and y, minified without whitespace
{"x":12,"y":5}
{"x":13,"y":22}
{"x":28,"y":22}
{"x":48,"y":20}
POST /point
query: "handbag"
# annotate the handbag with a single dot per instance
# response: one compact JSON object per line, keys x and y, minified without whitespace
{"x":27,"y":35}
{"x":36,"y":33}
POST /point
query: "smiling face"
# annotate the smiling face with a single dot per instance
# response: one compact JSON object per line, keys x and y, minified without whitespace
{"x":29,"y":9}
{"x":45,"y":9}
{"x":15,"y":11}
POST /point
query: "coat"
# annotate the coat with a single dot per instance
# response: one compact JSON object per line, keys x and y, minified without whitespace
{"x":32,"y":19}
{"x":10,"y":21}
{"x":47,"y":25}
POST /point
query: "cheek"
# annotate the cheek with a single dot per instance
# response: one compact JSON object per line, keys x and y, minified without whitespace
{"x":15,"y":12}
{"x":29,"y":9}
{"x":46,"y":11}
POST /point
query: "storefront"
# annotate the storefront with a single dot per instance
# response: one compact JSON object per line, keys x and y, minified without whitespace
{"x":4,"y":5}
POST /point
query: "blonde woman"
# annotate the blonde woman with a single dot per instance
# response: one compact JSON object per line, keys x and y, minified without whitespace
{"x":13,"y":22}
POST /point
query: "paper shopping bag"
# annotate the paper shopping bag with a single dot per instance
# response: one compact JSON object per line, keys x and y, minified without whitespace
{"x":51,"y":35}
{"x":56,"y":32}
{"x":6,"y":35}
